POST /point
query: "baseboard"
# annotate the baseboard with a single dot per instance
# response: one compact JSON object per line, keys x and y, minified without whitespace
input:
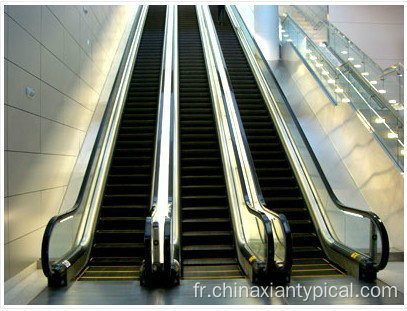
{"x":396,"y":256}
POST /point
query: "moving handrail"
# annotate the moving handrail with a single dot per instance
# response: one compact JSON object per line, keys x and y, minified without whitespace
{"x":158,"y":265}
{"x":368,"y":265}
{"x":60,"y":268}
{"x":268,"y":265}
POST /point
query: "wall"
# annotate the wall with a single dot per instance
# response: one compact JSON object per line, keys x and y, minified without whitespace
{"x":378,"y":30}
{"x":63,"y":53}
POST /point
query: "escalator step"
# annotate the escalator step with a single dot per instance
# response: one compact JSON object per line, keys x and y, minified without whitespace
{"x":209,"y":261}
{"x":208,"y":247}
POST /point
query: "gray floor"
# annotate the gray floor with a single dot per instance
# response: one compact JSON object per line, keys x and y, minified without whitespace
{"x":131,"y":293}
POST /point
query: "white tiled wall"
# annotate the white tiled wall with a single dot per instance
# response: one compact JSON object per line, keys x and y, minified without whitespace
{"x":64,"y":54}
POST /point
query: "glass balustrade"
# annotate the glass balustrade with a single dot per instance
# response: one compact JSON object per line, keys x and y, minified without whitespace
{"x":389,"y":83}
{"x":346,"y":85}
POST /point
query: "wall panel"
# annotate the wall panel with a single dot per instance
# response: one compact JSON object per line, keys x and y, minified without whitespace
{"x":62,"y":54}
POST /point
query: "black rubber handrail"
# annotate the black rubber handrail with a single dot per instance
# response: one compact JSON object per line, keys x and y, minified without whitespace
{"x":46,"y":267}
{"x":370,"y":215}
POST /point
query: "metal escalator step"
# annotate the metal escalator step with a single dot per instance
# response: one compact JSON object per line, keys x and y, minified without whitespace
{"x":208,"y":251}
{"x":203,"y":211}
{"x":124,"y":211}
{"x":208,"y":247}
{"x":208,"y":220}
{"x":209,"y":261}
{"x":119,"y":245}
{"x":114,"y":249}
{"x":206,"y":233}
{"x":196,"y":187}
{"x":305,"y":238}
{"x":115,"y":261}
{"x":283,"y":201}
{"x":301,"y":225}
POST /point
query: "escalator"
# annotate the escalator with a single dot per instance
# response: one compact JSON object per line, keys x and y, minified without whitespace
{"x":276,"y":177}
{"x":118,"y":247}
{"x":208,"y":250}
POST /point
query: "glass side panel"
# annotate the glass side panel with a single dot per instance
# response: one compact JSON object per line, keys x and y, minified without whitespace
{"x":63,"y":238}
